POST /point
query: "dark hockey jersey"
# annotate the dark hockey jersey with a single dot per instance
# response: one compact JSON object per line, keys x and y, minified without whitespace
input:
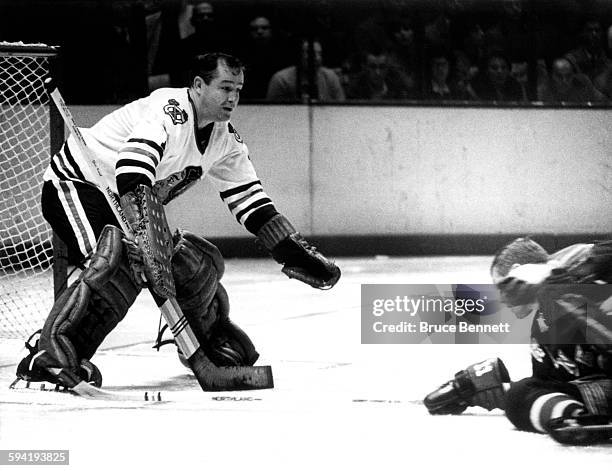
{"x":566,"y":332}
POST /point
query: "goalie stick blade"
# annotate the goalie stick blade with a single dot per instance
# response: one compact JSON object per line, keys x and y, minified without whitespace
{"x":229,"y":378}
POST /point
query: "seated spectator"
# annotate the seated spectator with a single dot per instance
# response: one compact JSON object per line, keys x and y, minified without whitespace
{"x":403,"y":53}
{"x":565,"y":85}
{"x":589,"y":58}
{"x":519,"y":72}
{"x":377,"y":80}
{"x":439,"y":85}
{"x":462,"y":75}
{"x":292,"y":83}
{"x":263,"y":54}
{"x":208,"y":37}
{"x":603,"y":81}
{"x":494,"y":83}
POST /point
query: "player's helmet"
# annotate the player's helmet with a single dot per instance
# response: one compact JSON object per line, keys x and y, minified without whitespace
{"x":520,"y":251}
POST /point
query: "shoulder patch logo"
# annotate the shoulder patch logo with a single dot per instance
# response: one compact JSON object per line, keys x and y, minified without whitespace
{"x":232,"y":130}
{"x":178,"y":115}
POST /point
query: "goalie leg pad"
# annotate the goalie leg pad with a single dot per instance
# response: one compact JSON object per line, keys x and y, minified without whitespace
{"x":480,"y":384}
{"x":92,"y":306}
{"x":197,"y":267}
{"x":596,"y":394}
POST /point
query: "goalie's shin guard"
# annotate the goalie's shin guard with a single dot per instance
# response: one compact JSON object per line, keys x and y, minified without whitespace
{"x":197,"y":267}
{"x":92,"y":306}
{"x":481,"y":384}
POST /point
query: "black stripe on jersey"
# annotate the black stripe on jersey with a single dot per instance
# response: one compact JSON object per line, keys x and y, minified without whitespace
{"x":72,"y":162}
{"x":259,"y":217}
{"x":238,"y":189}
{"x":236,"y":203}
{"x":57,"y":171}
{"x":152,"y":144}
{"x":139,"y":151}
{"x":256,"y":204}
{"x":127,"y":182}
{"x":135,"y":163}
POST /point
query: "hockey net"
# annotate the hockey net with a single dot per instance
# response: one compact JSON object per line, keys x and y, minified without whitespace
{"x":26,"y":275}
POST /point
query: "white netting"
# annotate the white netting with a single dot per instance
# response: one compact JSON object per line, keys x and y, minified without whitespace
{"x":26,"y":278}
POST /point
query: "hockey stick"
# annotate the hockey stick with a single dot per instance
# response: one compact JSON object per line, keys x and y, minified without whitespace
{"x":209,"y":376}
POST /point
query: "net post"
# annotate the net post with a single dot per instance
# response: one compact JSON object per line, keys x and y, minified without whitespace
{"x":56,"y":139}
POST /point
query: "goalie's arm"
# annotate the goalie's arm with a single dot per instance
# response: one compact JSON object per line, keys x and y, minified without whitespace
{"x":243,"y":193}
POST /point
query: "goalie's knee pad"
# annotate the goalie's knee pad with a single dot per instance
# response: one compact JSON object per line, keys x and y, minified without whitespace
{"x":197,"y":267}
{"x":481,"y":384}
{"x":91,"y":307}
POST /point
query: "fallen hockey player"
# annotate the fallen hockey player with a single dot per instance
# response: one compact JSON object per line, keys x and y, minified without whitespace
{"x":569,"y":394}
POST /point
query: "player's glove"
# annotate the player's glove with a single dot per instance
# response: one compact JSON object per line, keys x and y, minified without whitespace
{"x":480,"y":384}
{"x":300,"y":260}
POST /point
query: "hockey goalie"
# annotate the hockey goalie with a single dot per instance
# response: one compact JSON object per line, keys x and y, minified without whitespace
{"x":147,"y":153}
{"x":569,"y":394}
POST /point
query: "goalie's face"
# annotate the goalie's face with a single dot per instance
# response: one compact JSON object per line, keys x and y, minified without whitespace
{"x":217,"y":100}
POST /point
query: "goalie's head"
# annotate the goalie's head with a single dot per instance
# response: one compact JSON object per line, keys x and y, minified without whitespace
{"x":518,"y":252}
{"x":216,"y":80}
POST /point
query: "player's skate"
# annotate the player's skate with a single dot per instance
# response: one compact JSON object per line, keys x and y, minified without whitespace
{"x":480,"y":384}
{"x":587,"y":429}
{"x":29,"y":370}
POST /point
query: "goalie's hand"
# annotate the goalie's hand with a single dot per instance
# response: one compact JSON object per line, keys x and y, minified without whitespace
{"x":305,"y":263}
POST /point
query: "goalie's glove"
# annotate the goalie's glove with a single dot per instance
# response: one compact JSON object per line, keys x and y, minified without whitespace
{"x":300,"y":260}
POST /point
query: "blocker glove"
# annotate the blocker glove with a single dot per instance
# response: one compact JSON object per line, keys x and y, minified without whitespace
{"x":300,"y":260}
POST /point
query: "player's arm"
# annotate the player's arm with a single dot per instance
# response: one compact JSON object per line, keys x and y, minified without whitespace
{"x":246,"y":199}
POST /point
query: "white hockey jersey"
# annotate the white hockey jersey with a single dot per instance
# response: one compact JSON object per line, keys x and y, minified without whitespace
{"x":156,"y":139}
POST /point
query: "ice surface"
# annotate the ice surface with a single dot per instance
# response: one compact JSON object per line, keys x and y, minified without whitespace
{"x":336,"y":404}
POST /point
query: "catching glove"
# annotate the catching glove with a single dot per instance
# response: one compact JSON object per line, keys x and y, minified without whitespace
{"x":300,"y":260}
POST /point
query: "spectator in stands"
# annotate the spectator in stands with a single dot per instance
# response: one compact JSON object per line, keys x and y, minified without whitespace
{"x":208,"y":37}
{"x":495,"y":82}
{"x":263,"y":54}
{"x":603,"y":81}
{"x":439,"y":85}
{"x":403,"y":53}
{"x":162,"y":39}
{"x":590,"y":58}
{"x":293,"y":83}
{"x":565,"y":85}
{"x":471,"y":40}
{"x":377,"y":80}
{"x":518,"y":71}
{"x":462,"y":75}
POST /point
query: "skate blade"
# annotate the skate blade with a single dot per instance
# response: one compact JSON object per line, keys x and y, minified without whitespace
{"x":22,"y":384}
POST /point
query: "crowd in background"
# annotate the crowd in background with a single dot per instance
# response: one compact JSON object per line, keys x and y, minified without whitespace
{"x":551,"y":51}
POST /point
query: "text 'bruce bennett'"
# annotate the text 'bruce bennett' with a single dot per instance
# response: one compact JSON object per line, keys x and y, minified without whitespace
{"x":432,"y":328}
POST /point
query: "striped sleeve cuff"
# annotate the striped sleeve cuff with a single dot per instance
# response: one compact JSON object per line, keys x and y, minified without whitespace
{"x":244,"y":200}
{"x":138,"y":159}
